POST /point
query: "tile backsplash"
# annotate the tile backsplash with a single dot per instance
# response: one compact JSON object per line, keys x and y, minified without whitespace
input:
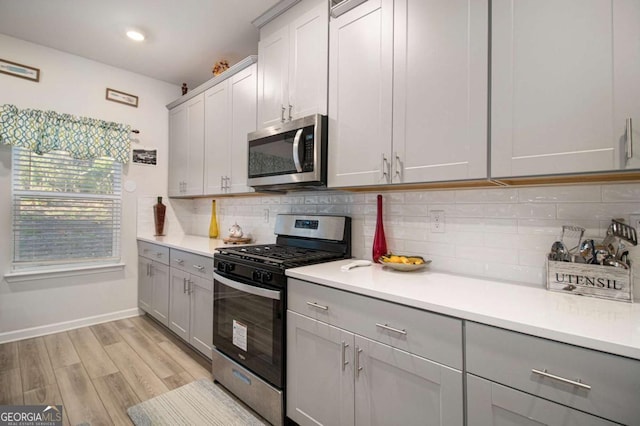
{"x":499,"y":233}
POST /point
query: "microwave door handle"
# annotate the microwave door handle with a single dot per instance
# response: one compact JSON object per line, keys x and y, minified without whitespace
{"x":296,"y":151}
{"x":256,"y":291}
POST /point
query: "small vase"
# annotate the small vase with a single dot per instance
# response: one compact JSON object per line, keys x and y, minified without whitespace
{"x":213,"y":226}
{"x":159,"y":211}
{"x":379,"y":241}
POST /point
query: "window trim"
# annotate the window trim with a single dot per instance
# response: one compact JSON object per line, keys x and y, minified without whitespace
{"x":69,"y":271}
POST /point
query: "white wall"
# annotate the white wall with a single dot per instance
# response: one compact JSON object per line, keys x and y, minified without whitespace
{"x":498,"y":233}
{"x":71,"y":84}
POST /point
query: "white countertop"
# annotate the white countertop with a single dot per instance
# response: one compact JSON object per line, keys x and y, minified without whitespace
{"x":192,"y":243}
{"x":603,"y":325}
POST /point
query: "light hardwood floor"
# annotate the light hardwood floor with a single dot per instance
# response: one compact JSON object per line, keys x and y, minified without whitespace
{"x":97,"y":372}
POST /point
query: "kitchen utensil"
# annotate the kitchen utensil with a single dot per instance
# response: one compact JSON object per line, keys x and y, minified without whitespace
{"x":559,"y":252}
{"x":610,"y":261}
{"x":587,"y":250}
{"x":624,"y":231}
{"x":599,"y":255}
{"x":571,"y":237}
{"x":355,"y":264}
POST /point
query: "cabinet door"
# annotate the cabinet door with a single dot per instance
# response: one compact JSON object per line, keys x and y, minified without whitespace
{"x":273,"y":52}
{"x":626,"y":69}
{"x":489,"y":403}
{"x":180,"y":301}
{"x":319,"y":372}
{"x":555,"y":93}
{"x":195,"y":145}
{"x":217,"y":138}
{"x":160,"y":292}
{"x":440,"y":90}
{"x":243,"y":120}
{"x":360,"y":95}
{"x":145,"y":289}
{"x":201,"y":338}
{"x":308,"y":63}
{"x":177,"y":152}
{"x":396,"y":387}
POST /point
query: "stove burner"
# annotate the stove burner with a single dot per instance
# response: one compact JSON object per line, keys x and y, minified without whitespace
{"x":285,"y":256}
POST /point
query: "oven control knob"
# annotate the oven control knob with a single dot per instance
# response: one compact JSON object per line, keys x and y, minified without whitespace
{"x":266,"y":277}
{"x":257,"y":276}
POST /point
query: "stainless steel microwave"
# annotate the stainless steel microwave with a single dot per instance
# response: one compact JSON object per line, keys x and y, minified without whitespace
{"x":291,"y":155}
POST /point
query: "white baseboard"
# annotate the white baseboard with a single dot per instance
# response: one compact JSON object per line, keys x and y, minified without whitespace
{"x":27,"y":333}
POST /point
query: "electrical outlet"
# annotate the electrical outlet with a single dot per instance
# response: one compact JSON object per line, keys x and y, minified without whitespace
{"x":266,"y":215}
{"x":437,"y":221}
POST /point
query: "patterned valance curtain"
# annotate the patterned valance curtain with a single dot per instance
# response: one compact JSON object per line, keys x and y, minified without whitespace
{"x":46,"y":131}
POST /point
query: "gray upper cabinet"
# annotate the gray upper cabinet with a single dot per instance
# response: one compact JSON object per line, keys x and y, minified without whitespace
{"x":564,"y":86}
{"x":292,"y":64}
{"x":186,"y":148}
{"x":440,"y":89}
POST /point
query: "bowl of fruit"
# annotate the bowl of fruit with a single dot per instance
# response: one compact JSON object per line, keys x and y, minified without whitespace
{"x":403,"y":263}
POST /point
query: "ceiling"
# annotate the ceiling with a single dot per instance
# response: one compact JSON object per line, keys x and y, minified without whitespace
{"x":183,"y":38}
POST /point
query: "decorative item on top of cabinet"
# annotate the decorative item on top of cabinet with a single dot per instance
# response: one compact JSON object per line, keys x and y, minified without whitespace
{"x":292,"y":65}
{"x":159,"y":211}
{"x":220,"y":67}
{"x":185,"y":89}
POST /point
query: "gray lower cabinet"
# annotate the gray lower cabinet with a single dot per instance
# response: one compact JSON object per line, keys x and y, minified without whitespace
{"x":153,"y":281}
{"x":336,"y":376}
{"x":489,"y":403}
{"x":577,"y":380}
{"x":191,"y":299}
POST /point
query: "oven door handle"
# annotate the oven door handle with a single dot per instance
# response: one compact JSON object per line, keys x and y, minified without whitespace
{"x":246,"y":288}
{"x":296,"y":151}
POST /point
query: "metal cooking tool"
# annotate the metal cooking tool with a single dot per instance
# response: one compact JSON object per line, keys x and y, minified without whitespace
{"x":624,"y":231}
{"x":610,"y":261}
{"x":571,"y":237}
{"x":587,"y":250}
{"x":559,"y":252}
{"x":599,"y":255}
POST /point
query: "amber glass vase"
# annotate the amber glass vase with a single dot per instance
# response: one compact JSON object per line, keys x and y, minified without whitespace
{"x":379,"y":240}
{"x":159,"y":211}
{"x":213,"y":226}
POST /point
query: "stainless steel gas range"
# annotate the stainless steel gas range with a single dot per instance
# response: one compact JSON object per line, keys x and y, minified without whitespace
{"x":250,"y":305}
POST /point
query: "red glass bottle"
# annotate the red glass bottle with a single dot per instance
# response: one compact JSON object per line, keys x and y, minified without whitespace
{"x":159,"y":211}
{"x":379,"y":241}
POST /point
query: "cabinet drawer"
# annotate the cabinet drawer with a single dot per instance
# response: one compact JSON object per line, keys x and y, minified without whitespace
{"x":193,"y":263}
{"x":429,"y":335}
{"x":154,"y":251}
{"x":509,"y":358}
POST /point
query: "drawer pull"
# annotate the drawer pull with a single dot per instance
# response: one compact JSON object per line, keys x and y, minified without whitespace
{"x":358,"y":368}
{"x":577,"y":383}
{"x":198,"y":267}
{"x":395,"y":330}
{"x":179,"y":261}
{"x":158,"y":254}
{"x":315,"y":305}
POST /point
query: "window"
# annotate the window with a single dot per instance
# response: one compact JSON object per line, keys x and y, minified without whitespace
{"x":66,"y":212}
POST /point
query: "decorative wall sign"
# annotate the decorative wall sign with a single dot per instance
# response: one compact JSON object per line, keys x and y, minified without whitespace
{"x":121,"y":97}
{"x":19,"y":70}
{"x":145,"y":156}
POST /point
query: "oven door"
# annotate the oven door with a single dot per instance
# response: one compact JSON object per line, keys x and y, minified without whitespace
{"x":248,"y":326}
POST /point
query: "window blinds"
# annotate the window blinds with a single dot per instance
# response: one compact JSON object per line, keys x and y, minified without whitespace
{"x":65,"y":211}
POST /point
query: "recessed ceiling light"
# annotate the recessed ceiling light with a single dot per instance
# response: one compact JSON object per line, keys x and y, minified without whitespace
{"x":135,"y":35}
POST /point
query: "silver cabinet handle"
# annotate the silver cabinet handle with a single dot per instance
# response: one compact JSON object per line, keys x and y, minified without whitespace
{"x":398,"y":165}
{"x":395,"y":330}
{"x":221,"y":183}
{"x":358,"y":368}
{"x":344,"y":355}
{"x":290,"y":107}
{"x":190,"y":287}
{"x":296,"y":152}
{"x":629,"y":139}
{"x":184,"y":285}
{"x":148,"y":269}
{"x":151,"y":269}
{"x":282,"y":113}
{"x":226,"y":182}
{"x":385,"y":167}
{"x":178,"y":261}
{"x":315,"y":305}
{"x":576,"y":383}
{"x":199,"y":267}
{"x":158,"y":254}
